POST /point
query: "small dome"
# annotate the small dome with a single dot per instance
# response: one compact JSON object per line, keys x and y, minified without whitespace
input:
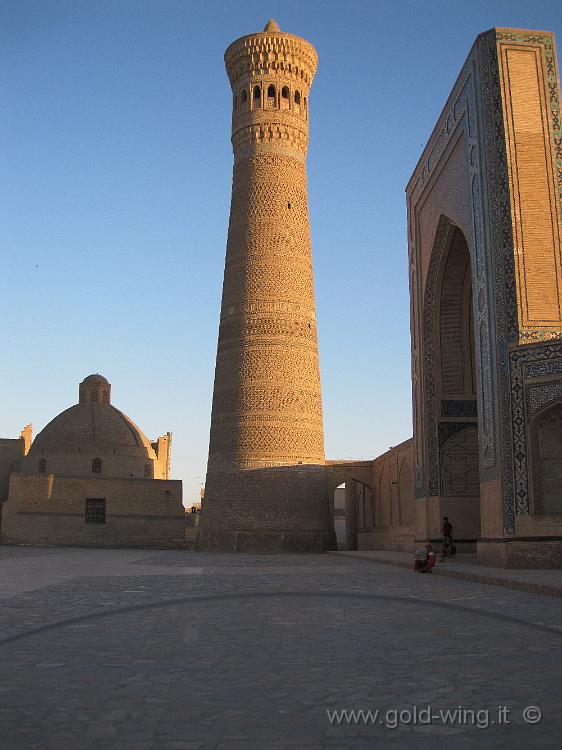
{"x":94,"y":389}
{"x":271,"y":25}
{"x":96,"y":378}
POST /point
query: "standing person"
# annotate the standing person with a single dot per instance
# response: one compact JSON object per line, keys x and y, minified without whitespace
{"x":447,"y":536}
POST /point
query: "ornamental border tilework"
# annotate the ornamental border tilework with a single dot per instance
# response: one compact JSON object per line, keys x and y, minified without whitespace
{"x":530,"y":393}
{"x":478,"y":96}
{"x":514,"y":463}
{"x":548,"y":54}
{"x":463,"y":109}
{"x":501,"y":255}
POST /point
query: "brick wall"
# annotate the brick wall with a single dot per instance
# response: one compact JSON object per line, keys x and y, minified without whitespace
{"x":11,"y":453}
{"x":394,"y":501}
{"x":50,"y":510}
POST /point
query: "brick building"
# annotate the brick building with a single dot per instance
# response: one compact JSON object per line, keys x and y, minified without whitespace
{"x":485,"y":267}
{"x":90,"y":477}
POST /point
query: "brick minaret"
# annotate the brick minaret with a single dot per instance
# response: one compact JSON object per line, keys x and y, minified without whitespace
{"x":265,"y":487}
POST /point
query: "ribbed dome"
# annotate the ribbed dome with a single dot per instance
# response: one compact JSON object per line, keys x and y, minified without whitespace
{"x":93,"y":439}
{"x":88,"y":434}
{"x":92,"y":428}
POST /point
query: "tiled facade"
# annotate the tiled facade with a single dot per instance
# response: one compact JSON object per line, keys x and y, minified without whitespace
{"x":487,"y":190}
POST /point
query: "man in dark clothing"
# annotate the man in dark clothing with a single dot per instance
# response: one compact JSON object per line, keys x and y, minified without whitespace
{"x":447,"y":534}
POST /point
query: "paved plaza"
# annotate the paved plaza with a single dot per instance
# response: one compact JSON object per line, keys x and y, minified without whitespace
{"x":172,"y":650}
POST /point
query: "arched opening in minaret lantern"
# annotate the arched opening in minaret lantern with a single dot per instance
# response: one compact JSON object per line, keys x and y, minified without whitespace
{"x":271,"y":97}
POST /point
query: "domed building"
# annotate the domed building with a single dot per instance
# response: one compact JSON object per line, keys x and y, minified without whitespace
{"x":91,"y":476}
{"x":94,"y":437}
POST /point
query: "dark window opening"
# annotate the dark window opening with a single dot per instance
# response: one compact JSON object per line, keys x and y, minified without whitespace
{"x":546,"y":460}
{"x":94,"y":511}
{"x":285,"y":92}
{"x":297,"y":97}
{"x":257,"y":93}
{"x":288,"y":205}
{"x":42,"y":466}
{"x":271,"y":91}
{"x":96,"y":466}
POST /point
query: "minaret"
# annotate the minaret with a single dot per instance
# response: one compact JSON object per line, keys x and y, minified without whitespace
{"x":265,"y":487}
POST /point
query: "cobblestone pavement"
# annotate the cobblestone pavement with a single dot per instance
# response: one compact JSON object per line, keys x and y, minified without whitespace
{"x":173,"y":650}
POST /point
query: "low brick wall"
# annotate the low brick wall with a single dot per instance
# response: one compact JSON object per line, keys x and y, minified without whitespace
{"x":521,"y":552}
{"x":48,"y":510}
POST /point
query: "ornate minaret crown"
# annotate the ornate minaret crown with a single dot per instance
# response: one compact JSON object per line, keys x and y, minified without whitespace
{"x":270,"y":74}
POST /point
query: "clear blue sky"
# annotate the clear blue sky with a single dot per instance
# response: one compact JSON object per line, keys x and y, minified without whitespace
{"x":115,"y":189}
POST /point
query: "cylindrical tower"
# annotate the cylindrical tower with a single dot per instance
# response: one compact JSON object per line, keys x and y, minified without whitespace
{"x":265,"y":487}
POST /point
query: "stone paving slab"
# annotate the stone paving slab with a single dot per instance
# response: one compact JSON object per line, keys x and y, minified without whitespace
{"x":153,"y":650}
{"x":465,"y":567}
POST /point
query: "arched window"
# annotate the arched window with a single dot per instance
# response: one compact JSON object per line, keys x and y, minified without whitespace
{"x":42,"y":466}
{"x":546,"y":460}
{"x":147,"y":472}
{"x":257,"y":96}
{"x":285,"y":97}
{"x":271,"y":96}
{"x":96,"y":466}
{"x":298,"y":98}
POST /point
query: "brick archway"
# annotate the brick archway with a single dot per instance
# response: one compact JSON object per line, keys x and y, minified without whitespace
{"x":357,"y":476}
{"x":338,"y":472}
